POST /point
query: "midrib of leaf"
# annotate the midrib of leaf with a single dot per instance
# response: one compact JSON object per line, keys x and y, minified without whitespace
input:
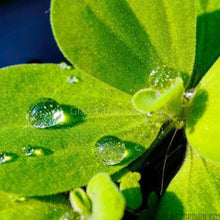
{"x":212,"y":184}
{"x":117,"y":34}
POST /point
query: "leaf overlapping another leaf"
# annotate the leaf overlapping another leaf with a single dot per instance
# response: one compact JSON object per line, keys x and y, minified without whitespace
{"x":72,"y":162}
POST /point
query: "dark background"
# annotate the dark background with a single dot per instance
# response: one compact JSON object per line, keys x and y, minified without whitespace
{"x":25,"y":33}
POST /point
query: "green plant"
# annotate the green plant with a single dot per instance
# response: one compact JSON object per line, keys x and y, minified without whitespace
{"x":134,"y":61}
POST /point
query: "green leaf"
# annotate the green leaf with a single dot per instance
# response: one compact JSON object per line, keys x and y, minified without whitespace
{"x":38,"y":208}
{"x":107,"y":201}
{"x":131,"y":189}
{"x":202,"y":125}
{"x":92,"y":110}
{"x":169,"y":102}
{"x":208,"y":38}
{"x":123,"y":42}
{"x":194,"y":192}
{"x":80,"y":202}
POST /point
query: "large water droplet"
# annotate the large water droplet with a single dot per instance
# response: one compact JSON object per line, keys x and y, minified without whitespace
{"x":110,"y":149}
{"x":31,"y":151}
{"x":72,"y":79}
{"x":162,"y":77}
{"x":46,"y":113}
{"x":7,"y":157}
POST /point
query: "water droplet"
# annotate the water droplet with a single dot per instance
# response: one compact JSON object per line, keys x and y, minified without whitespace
{"x":46,"y":113}
{"x":65,"y":216}
{"x":65,"y":66}
{"x":72,"y":79}
{"x":110,"y":149}
{"x":162,"y":77}
{"x":149,"y":114}
{"x":7,"y":157}
{"x":15,"y":198}
{"x":189,"y":94}
{"x":31,"y":151}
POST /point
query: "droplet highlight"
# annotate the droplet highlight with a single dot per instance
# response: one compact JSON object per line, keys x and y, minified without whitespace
{"x":46,"y":113}
{"x":7,"y":157}
{"x":110,"y":149}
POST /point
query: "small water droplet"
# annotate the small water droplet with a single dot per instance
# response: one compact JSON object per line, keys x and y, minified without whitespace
{"x":149,"y":114}
{"x":65,"y":66}
{"x":110,"y":149}
{"x":72,"y":79}
{"x":7,"y":157}
{"x":15,"y":198}
{"x":65,"y":216}
{"x":46,"y":113}
{"x":189,"y":94}
{"x":31,"y":151}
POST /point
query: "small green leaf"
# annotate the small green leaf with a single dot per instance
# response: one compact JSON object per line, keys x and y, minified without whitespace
{"x":194,"y":191}
{"x":42,"y":161}
{"x":202,"y":125}
{"x":123,"y":42}
{"x":169,"y":102}
{"x":107,"y":201}
{"x":131,"y":189}
{"x":208,"y":38}
{"x":37,"y":208}
{"x":80,"y":202}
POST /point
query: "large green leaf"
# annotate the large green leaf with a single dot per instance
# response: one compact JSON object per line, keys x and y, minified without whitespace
{"x":208,"y":38}
{"x":107,"y":201}
{"x":123,"y":42}
{"x":71,"y":161}
{"x":202,"y":126}
{"x":47,"y":208}
{"x":194,"y":193}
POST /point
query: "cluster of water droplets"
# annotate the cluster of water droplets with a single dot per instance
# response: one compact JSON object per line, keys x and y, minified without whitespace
{"x":111,"y":150}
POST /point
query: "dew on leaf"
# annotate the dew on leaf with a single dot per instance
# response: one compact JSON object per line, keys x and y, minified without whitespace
{"x":65,"y":66}
{"x":72,"y":79}
{"x":189,"y":94}
{"x":45,"y":113}
{"x":32,"y":151}
{"x":7,"y":157}
{"x":162,"y":77}
{"x":15,"y":198}
{"x":111,"y":150}
{"x":65,"y":216}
